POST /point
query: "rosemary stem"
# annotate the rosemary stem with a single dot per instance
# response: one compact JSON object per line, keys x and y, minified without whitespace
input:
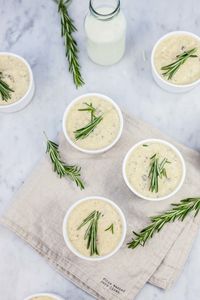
{"x":91,"y":231}
{"x":179,"y":211}
{"x":172,"y":68}
{"x":63,"y":170}
{"x":83,"y":132}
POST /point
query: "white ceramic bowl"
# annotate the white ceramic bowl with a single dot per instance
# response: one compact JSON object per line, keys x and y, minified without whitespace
{"x":98,"y":150}
{"x":69,"y":244}
{"x":26,"y":99}
{"x":164,"y":84}
{"x":54,"y":296}
{"x":162,"y":142}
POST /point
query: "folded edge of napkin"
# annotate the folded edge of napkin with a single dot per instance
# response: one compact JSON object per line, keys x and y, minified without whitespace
{"x":171,"y":267}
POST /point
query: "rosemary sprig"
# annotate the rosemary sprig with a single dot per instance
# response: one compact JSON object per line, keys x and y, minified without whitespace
{"x":172,"y":68}
{"x":83,"y":132}
{"x":178,"y":212}
{"x":157,"y":170}
{"x":72,"y":172}
{"x":91,"y":231}
{"x":71,"y":47}
{"x":5,"y":90}
{"x":111,"y":228}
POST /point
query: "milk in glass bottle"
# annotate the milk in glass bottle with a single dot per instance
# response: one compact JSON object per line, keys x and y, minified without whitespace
{"x":105,"y":27}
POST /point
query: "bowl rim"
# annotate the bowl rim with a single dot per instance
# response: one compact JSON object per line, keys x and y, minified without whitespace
{"x":162,"y":142}
{"x":97,"y":151}
{"x":69,"y":244}
{"x":170,"y":84}
{"x":55,"y":296}
{"x":16,"y":103}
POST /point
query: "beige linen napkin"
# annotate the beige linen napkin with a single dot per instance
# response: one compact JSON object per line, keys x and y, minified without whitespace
{"x":38,"y":209}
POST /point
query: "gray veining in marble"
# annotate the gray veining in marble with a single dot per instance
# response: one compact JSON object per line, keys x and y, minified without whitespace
{"x":32,"y":29}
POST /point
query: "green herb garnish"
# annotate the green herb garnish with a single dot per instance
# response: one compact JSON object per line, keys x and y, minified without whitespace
{"x":157,"y":170}
{"x":71,"y":48}
{"x":111,"y":227}
{"x":145,"y":145}
{"x":83,"y":132}
{"x":5,"y":90}
{"x":72,"y":172}
{"x":178,"y":212}
{"x":91,"y":231}
{"x":172,"y":68}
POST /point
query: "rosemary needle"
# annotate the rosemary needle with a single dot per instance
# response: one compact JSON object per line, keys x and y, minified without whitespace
{"x":172,"y":68}
{"x":72,"y":172}
{"x":91,"y":231}
{"x":111,"y":228}
{"x":179,"y":211}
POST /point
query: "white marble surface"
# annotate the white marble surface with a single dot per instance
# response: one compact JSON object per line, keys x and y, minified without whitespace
{"x":32,"y":29}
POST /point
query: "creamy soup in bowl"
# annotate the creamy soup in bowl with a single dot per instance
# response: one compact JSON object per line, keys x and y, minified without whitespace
{"x":44,"y":296}
{"x":17,"y":78}
{"x":175,"y":61}
{"x":154,"y":169}
{"x":94,"y":228}
{"x":92,"y":123}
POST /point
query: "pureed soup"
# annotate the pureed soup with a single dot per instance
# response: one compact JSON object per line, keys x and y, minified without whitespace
{"x":138,"y":166}
{"x":104,"y":133}
{"x":15,"y":73}
{"x":109,"y":227}
{"x":168,"y":51}
{"x":42,"y":298}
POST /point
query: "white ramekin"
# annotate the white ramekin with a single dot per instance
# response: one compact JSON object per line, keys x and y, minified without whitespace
{"x":98,"y":150}
{"x":26,"y":99}
{"x":162,"y":142}
{"x":69,"y":244}
{"x":164,"y":84}
{"x":54,"y":296}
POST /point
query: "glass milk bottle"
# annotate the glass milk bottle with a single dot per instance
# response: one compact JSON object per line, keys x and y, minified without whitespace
{"x":105,"y":28}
